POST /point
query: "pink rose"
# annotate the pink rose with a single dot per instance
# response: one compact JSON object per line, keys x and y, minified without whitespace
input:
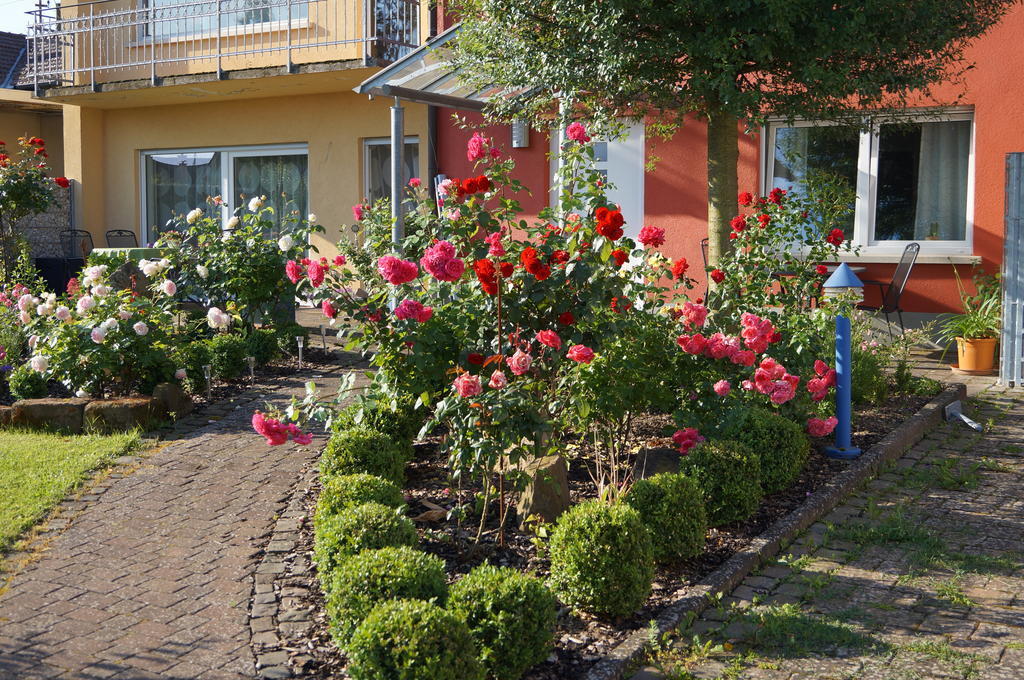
{"x":339,"y":260}
{"x":520,"y":362}
{"x":577,"y":133}
{"x":686,"y":439}
{"x":414,"y":182}
{"x":271,"y":429}
{"x":652,"y":237}
{"x":440,"y":262}
{"x":316,"y":274}
{"x":722,"y":388}
{"x":692,"y":344}
{"x":498,"y":380}
{"x":581,"y":354}
{"x":550,"y":339}
{"x":476,"y":148}
{"x":328,"y":309}
{"x":358,"y":211}
{"x":694,"y":314}
{"x":293,"y":270}
{"x":397,"y":271}
{"x":816,"y":427}
{"x":467,"y":385}
{"x":497,"y":249}
{"x":412,"y":309}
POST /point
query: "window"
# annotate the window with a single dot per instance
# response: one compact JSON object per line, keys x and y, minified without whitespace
{"x":175,"y":182}
{"x":377,"y":166}
{"x":177,"y":18}
{"x":913,"y":177}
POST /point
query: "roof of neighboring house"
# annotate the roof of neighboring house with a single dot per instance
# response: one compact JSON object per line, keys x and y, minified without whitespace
{"x":12,"y":58}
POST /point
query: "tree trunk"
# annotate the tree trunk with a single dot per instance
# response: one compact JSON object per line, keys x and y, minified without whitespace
{"x":723,"y":155}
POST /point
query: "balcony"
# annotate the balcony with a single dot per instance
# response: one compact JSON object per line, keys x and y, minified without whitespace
{"x":89,"y":44}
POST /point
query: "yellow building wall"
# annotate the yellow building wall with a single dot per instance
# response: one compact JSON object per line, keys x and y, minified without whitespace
{"x":333,"y":125}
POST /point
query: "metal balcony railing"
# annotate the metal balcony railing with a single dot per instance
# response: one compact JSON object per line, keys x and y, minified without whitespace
{"x":112,"y":40}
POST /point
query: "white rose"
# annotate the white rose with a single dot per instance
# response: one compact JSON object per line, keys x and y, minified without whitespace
{"x":26,"y":302}
{"x":43,"y":310}
{"x":24,"y":317}
{"x":100,"y":290}
{"x":234,"y":222}
{"x":202,"y":271}
{"x":124,"y":314}
{"x":193,"y":216}
{"x":215,"y":318}
{"x":312,"y":218}
{"x":109,"y":324}
{"x":40,"y":364}
{"x":285,"y":243}
{"x":81,"y":394}
{"x":85,"y":303}
{"x":255,"y":203}
{"x":164,"y":263}
{"x":33,"y":340}
{"x":180,"y":374}
{"x":63,"y":313}
{"x":140,"y":328}
{"x":149,"y":268}
{"x":168,"y":287}
{"x":98,"y":334}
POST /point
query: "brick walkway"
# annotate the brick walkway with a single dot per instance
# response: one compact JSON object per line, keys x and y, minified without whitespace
{"x":918,"y":576}
{"x":154,"y":577}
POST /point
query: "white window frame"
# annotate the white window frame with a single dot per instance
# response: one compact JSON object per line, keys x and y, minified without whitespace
{"x":227,"y":174}
{"x":867,"y":180}
{"x":383,"y":141}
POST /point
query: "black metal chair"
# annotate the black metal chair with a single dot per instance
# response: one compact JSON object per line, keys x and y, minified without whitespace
{"x":122,"y":238}
{"x":76,"y":245}
{"x":892,"y":291}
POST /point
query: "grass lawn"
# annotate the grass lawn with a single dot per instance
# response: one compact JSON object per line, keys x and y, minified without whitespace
{"x":37,"y":470}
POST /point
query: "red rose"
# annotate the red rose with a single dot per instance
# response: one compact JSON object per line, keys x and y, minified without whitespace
{"x":62,"y":182}
{"x":483,"y":183}
{"x":620,"y":256}
{"x":717,"y":275}
{"x":738,"y":223}
{"x":835,"y":237}
{"x":486,"y":274}
{"x":475,"y":358}
{"x":775,"y":196}
{"x":559,"y":257}
{"x":764,"y":220}
{"x":679,"y":268}
{"x":506,"y":269}
{"x":609,"y":223}
{"x":566,"y":319}
{"x":469,"y":185}
{"x":533,"y":265}
{"x":746,"y":198}
{"x":821,"y":269}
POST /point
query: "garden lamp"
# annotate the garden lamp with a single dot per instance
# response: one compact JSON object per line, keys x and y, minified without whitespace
{"x":843,"y":281}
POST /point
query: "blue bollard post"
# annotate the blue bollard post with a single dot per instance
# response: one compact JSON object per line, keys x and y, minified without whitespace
{"x":844,"y":363}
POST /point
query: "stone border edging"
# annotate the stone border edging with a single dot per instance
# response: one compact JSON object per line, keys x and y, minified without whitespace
{"x":729,"y":575}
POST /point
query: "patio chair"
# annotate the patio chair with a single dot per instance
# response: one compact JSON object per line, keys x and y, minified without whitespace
{"x":892,"y":291}
{"x":122,"y":238}
{"x":76,"y":245}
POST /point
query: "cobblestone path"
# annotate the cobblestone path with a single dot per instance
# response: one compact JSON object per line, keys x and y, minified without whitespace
{"x":919,"y":576}
{"x":153,"y":577}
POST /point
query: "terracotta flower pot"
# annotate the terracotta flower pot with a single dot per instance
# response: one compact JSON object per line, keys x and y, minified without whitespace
{"x":976,"y":354}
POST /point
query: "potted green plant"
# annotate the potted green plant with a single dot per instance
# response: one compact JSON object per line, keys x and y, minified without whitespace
{"x":976,"y":331}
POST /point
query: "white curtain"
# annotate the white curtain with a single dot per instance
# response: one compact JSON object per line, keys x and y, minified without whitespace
{"x":942,"y":181}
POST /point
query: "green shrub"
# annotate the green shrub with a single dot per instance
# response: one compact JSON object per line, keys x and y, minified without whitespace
{"x":413,"y":640}
{"x":729,"y":477}
{"x":365,"y":527}
{"x":510,"y":615}
{"x":347,"y":491}
{"x":781,"y":446}
{"x":227,"y":355}
{"x":601,"y":558}
{"x":360,"y":449}
{"x":286,"y":335}
{"x":869,"y":377}
{"x":402,"y":424}
{"x":261,"y":344}
{"x":365,"y":580}
{"x":192,"y":356}
{"x":25,"y":383}
{"x":672,"y":509}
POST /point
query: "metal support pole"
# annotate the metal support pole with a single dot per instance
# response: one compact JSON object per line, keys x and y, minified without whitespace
{"x":397,"y":167}
{"x":92,"y":50}
{"x":844,"y":365}
{"x":289,"y":29}
{"x":220,"y":69}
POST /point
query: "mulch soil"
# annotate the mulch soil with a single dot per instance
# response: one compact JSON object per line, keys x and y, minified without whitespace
{"x":580,"y":639}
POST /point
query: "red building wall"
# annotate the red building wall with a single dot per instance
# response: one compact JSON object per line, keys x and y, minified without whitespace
{"x":675,"y":192}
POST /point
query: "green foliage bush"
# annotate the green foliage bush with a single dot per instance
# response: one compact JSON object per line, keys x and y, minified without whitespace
{"x":413,"y":640}
{"x":25,"y":383}
{"x":361,"y":449}
{"x":402,"y":424}
{"x":510,"y":615}
{"x":261,"y":343}
{"x":869,"y":377}
{"x":347,"y":491}
{"x":728,"y":474}
{"x":286,"y":335}
{"x":192,"y":356}
{"x":672,"y":509}
{"x":601,"y":558}
{"x":363,"y":581}
{"x":780,"y":444}
{"x":364,"y":527}
{"x":227,"y":355}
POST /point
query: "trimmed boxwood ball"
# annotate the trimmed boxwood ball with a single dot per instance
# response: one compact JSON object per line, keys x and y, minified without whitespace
{"x":601,"y":558}
{"x":413,"y":640}
{"x":780,"y":444}
{"x":672,"y":509}
{"x":363,"y":581}
{"x":261,"y":344}
{"x":346,"y":491}
{"x":364,"y":527}
{"x":403,"y":424}
{"x":360,"y":449}
{"x":510,"y":615}
{"x":729,"y":477}
{"x":227,"y":355}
